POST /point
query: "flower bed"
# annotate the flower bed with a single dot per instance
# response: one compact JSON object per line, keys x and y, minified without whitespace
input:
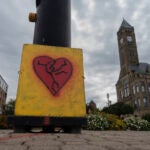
{"x":133,"y":123}
{"x":104,"y":121}
{"x":96,"y":122}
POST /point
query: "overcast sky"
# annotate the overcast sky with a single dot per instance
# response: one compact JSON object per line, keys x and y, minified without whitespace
{"x":94,"y":27}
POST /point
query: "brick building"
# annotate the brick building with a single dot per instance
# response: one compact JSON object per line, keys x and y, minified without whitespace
{"x":3,"y":94}
{"x":90,"y":107}
{"x":133,"y":85}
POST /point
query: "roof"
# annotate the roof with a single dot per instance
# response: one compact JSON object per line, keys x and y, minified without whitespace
{"x":125,"y":24}
{"x":142,"y":68}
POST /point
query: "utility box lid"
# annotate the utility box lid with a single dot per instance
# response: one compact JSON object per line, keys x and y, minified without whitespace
{"x":51,"y":82}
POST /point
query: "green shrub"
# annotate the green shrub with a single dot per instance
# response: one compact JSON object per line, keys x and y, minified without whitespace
{"x":133,"y":123}
{"x":97,"y":122}
{"x":146,"y":117}
{"x":119,"y":109}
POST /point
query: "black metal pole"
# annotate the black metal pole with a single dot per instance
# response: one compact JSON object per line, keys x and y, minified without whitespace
{"x":53,"y":23}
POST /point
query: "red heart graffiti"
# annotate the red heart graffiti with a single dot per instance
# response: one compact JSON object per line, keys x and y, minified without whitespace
{"x":54,"y":73}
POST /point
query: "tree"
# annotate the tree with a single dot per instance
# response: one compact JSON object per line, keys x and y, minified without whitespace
{"x":119,"y":108}
{"x":10,"y":107}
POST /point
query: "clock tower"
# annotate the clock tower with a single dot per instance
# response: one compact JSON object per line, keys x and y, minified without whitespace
{"x":127,"y":47}
{"x":133,"y":85}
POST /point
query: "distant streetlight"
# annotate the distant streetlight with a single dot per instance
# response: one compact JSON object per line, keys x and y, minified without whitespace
{"x":108,"y":101}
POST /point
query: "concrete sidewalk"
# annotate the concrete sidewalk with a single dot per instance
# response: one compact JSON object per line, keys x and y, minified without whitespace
{"x":88,"y":140}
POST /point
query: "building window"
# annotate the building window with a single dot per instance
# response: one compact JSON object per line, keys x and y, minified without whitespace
{"x":143,"y":87}
{"x":133,"y":88}
{"x":149,"y":87}
{"x":135,"y":104}
{"x":145,"y":101}
{"x":139,"y":102}
{"x":126,"y":89}
{"x":137,"y":88}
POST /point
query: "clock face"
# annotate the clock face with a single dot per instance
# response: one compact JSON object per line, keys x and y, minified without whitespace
{"x":121,"y":40}
{"x":129,"y":38}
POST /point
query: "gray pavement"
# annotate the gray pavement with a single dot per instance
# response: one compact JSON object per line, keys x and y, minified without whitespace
{"x":88,"y":140}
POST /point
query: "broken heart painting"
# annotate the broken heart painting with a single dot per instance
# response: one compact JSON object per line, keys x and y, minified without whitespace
{"x":54,"y":73}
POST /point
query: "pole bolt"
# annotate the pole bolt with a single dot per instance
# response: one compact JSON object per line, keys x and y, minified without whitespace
{"x":32,"y":17}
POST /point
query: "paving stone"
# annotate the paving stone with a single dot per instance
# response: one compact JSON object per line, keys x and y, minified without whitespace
{"x":88,"y":140}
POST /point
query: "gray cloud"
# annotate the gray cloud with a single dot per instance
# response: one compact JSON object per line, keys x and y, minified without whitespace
{"x":94,"y":27}
{"x":15,"y":30}
{"x":95,"y":31}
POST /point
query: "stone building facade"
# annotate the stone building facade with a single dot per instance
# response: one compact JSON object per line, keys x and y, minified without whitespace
{"x":133,"y":85}
{"x":90,"y":107}
{"x":3,"y":94}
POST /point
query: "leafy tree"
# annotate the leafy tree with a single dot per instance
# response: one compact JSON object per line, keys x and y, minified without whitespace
{"x":10,"y":107}
{"x":119,"y":108}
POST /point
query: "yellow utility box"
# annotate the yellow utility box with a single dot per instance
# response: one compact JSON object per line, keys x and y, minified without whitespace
{"x":51,"y":82}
